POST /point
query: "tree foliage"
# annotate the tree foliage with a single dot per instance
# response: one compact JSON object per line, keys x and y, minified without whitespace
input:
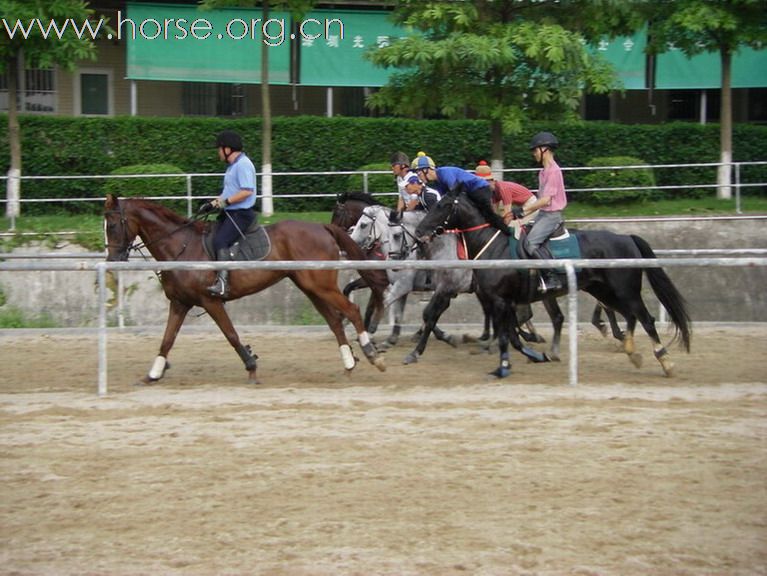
{"x":41,"y":52}
{"x":509,"y":62}
{"x":696,"y":26}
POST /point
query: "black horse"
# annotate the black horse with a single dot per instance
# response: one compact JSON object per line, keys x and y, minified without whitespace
{"x":617,"y":289}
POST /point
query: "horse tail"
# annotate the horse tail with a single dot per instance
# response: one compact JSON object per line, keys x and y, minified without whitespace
{"x":668,"y":295}
{"x":377,"y":280}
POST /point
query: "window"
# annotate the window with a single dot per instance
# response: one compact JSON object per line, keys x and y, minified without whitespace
{"x":36,"y":91}
{"x":687,"y":105}
{"x":596,"y":107}
{"x":93,"y":92}
{"x":212,"y":99}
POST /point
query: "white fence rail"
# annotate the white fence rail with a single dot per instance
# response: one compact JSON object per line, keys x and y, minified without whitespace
{"x":190,"y":196}
{"x":569,"y":267}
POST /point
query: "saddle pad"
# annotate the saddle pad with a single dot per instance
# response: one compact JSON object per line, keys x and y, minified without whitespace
{"x":562,"y":247}
{"x":565,"y":246}
{"x":255,"y":246}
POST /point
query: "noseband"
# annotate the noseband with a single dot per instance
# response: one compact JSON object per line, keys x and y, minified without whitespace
{"x":124,"y":248}
{"x":373,"y":238}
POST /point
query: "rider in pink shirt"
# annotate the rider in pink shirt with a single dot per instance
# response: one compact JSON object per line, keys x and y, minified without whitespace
{"x":551,"y":202}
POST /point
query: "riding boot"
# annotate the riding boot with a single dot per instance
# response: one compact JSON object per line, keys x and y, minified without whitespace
{"x":220,"y":287}
{"x":549,"y":279}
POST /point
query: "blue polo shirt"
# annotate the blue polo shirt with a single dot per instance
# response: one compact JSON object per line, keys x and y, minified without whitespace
{"x":448,"y":177}
{"x":240,"y":175}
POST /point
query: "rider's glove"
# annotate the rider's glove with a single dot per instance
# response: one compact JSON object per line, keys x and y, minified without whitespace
{"x":206,"y":208}
{"x":518,"y":212}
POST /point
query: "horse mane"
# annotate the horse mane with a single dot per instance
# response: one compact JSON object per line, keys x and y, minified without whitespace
{"x":364,"y":197}
{"x":164,"y":212}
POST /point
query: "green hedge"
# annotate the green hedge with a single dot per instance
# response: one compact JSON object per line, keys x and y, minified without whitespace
{"x":629,"y":177}
{"x":78,"y":146}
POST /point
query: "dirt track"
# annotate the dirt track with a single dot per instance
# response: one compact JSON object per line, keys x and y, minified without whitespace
{"x":431,"y":469}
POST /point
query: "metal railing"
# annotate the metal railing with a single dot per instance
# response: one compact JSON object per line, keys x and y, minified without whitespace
{"x":569,"y":266}
{"x":189,"y":197}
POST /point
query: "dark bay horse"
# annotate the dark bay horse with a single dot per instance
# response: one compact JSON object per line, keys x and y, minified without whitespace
{"x":171,"y":237}
{"x":617,"y":289}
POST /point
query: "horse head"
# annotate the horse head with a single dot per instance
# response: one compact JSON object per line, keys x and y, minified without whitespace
{"x":448,"y":213}
{"x":118,"y":231}
{"x":372,"y":227}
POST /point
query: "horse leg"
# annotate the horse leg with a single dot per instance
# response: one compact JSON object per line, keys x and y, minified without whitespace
{"x":396,"y":314}
{"x":176,"y":314}
{"x":614,"y":328}
{"x":596,"y":320}
{"x":557,"y":320}
{"x":439,"y":302}
{"x":322,"y":290}
{"x":217,"y":311}
{"x":628,"y":342}
{"x":659,"y":350}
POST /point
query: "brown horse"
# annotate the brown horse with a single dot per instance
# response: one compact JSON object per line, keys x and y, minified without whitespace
{"x":170,"y":237}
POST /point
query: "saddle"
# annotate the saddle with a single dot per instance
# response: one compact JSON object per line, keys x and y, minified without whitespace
{"x":255,"y":246}
{"x":560,"y":245}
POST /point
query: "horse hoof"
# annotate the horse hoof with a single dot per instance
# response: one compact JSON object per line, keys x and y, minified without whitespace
{"x":501,"y":372}
{"x":146,"y":381}
{"x":380,"y":363}
{"x":253,"y":379}
{"x":636,"y":359}
{"x":452,"y":340}
{"x":552,"y":357}
{"x":411,"y":358}
{"x":384,"y":346}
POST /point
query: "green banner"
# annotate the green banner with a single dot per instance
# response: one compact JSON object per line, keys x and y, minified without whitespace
{"x":336,"y":58}
{"x":626,"y":54}
{"x":184,"y":43}
{"x":704,"y":71}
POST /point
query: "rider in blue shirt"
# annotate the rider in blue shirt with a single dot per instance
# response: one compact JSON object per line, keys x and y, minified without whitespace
{"x":236,"y":202}
{"x":447,"y":179}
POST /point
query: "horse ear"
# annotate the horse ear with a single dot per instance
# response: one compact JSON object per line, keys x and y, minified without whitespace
{"x":111,"y":202}
{"x":456,"y":190}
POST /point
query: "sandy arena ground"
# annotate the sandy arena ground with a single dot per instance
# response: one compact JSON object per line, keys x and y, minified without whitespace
{"x":430,"y":469}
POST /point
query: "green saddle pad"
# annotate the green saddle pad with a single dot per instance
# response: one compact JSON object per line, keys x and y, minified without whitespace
{"x":566,"y":247}
{"x":560,"y":248}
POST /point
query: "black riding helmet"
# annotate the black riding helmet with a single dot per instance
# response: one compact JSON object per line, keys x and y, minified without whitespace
{"x":229,"y":139}
{"x":544,"y":139}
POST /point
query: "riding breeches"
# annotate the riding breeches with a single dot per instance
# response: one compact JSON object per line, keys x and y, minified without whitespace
{"x":544,"y":226}
{"x":232,"y":223}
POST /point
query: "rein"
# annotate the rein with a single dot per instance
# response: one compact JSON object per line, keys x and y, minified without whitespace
{"x":138,"y":246}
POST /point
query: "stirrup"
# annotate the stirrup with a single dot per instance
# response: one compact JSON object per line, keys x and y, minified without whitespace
{"x":219,"y":289}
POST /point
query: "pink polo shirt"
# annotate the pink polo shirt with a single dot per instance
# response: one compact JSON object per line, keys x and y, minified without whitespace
{"x":551,"y":183}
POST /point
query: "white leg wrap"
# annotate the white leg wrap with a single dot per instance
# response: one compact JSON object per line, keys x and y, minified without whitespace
{"x":346,"y":356}
{"x":364,"y":338}
{"x":156,"y":372}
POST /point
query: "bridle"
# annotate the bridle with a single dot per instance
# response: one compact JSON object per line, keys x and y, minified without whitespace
{"x":126,"y":246}
{"x":443,"y":228}
{"x":374,"y":238}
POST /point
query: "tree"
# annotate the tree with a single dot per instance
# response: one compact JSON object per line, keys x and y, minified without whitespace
{"x":23,"y":44}
{"x":696,"y":26}
{"x":297,"y":9}
{"x":508,"y":62}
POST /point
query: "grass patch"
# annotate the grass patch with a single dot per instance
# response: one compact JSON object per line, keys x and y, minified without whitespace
{"x":15,"y":318}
